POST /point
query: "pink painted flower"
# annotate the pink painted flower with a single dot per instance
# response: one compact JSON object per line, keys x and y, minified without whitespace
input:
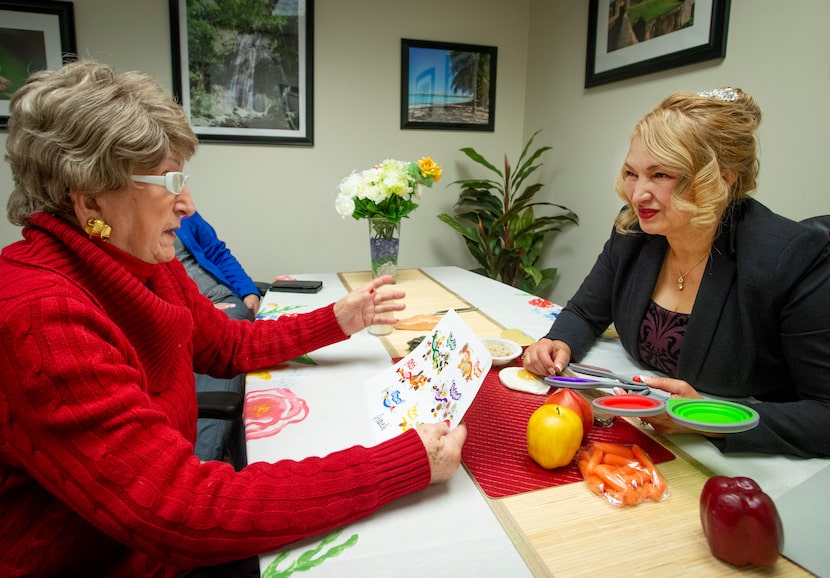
{"x":268,"y":412}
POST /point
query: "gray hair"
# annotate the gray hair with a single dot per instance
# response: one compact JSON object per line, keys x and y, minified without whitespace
{"x":86,"y":128}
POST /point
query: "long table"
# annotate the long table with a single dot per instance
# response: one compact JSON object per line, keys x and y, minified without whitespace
{"x":453,"y":528}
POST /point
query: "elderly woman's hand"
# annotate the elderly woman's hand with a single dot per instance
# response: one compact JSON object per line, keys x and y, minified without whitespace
{"x":367,"y":305}
{"x":443,"y":448}
{"x":546,"y":357}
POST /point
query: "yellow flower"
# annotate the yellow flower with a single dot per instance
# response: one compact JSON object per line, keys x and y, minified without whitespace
{"x":429,"y":168}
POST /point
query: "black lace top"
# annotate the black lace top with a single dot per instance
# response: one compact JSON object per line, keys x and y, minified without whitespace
{"x":661,"y":338}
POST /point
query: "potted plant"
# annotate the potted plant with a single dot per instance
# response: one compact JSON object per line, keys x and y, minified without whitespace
{"x":498,"y":221}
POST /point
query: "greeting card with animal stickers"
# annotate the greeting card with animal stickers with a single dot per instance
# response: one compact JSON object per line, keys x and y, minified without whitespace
{"x":436,"y":382}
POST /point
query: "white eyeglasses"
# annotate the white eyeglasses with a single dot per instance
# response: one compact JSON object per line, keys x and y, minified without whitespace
{"x":173,"y":182}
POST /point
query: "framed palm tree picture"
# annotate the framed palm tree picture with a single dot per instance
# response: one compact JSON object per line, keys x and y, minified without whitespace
{"x":448,"y":86}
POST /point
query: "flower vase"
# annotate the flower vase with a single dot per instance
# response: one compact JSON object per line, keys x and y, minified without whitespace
{"x":384,"y":240}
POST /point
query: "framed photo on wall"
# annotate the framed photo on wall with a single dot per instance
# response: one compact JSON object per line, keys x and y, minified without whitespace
{"x":448,"y":86}
{"x":244,"y":70}
{"x":628,"y":38}
{"x":33,"y":36}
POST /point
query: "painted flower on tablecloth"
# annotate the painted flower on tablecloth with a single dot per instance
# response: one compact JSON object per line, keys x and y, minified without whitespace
{"x":546,"y":308}
{"x":268,"y":412}
{"x":391,"y":189}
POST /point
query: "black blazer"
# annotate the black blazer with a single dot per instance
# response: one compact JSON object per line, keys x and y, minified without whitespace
{"x":760,"y":326}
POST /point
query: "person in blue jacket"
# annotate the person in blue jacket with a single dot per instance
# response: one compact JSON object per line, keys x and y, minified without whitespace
{"x":222,"y":279}
{"x":227,"y":282}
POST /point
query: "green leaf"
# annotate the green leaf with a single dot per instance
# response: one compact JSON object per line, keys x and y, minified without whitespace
{"x":473,"y":154}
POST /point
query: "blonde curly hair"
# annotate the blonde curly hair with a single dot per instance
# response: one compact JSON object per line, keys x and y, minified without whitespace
{"x":702,"y":138}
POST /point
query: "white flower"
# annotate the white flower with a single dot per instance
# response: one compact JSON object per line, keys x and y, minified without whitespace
{"x":350,"y":185}
{"x":344,"y":205}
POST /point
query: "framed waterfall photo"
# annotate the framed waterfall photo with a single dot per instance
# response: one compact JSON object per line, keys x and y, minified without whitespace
{"x":448,"y":86}
{"x":243,"y":70}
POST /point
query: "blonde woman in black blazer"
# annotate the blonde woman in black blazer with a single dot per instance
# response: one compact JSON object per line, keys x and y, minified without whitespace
{"x":707,"y":286}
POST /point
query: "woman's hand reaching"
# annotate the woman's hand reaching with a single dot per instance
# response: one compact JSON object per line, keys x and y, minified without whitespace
{"x":367,"y":306}
{"x":546,"y":357}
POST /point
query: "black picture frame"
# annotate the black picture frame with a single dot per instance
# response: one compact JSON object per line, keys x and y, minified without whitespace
{"x":34,"y":35}
{"x":433,"y":90}
{"x":267,"y":101}
{"x":671,"y":41}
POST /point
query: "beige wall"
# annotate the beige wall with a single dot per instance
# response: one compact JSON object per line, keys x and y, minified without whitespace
{"x":778,"y":52}
{"x":274,"y":205}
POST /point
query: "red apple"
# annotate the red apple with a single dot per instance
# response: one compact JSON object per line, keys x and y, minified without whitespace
{"x":574,"y":400}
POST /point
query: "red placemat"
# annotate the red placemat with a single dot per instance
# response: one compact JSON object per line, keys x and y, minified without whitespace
{"x":495,"y":452}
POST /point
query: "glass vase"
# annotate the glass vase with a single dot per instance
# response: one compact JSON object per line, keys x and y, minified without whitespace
{"x":384,"y":241}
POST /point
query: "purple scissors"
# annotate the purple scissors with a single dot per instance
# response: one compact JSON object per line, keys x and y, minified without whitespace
{"x":609,"y":380}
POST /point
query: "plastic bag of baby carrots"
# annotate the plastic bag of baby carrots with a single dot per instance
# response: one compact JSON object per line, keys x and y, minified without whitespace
{"x":623,"y":474}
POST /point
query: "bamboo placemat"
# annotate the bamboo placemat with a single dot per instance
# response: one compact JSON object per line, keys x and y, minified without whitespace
{"x":577,"y":533}
{"x":423,"y":296}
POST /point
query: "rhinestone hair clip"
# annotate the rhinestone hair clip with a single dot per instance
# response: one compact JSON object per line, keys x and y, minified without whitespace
{"x":726,"y":94}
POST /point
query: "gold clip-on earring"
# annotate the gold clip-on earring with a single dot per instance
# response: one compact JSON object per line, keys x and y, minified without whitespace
{"x":98,"y":229}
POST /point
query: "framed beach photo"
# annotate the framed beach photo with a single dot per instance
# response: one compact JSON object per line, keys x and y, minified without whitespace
{"x":628,"y":38}
{"x":33,"y":36}
{"x":448,"y":86}
{"x":243,"y":70}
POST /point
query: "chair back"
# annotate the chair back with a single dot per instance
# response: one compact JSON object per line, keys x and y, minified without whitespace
{"x":820,"y":221}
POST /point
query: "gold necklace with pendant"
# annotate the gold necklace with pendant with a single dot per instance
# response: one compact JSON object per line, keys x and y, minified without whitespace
{"x":681,"y":279}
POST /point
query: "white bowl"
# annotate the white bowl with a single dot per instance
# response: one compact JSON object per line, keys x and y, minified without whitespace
{"x":503,"y":350}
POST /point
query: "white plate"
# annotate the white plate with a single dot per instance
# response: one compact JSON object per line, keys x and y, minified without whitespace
{"x":521,"y":379}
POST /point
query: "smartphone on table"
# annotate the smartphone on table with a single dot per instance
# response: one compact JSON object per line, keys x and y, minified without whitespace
{"x":296,"y":286}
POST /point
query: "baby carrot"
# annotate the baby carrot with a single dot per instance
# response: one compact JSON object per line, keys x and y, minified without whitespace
{"x":656,"y":491}
{"x":616,"y":460}
{"x":631,"y":497}
{"x":616,"y":449}
{"x":595,"y":483}
{"x":614,"y":497}
{"x":641,"y":478}
{"x":594,"y":459}
{"x":656,"y":479}
{"x":641,"y":457}
{"x":612,"y":477}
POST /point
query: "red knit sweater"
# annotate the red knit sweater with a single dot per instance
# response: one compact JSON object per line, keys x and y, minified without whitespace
{"x":98,"y":417}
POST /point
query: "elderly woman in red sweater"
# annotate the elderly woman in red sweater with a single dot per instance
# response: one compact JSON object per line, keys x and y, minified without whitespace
{"x":102,"y":330}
